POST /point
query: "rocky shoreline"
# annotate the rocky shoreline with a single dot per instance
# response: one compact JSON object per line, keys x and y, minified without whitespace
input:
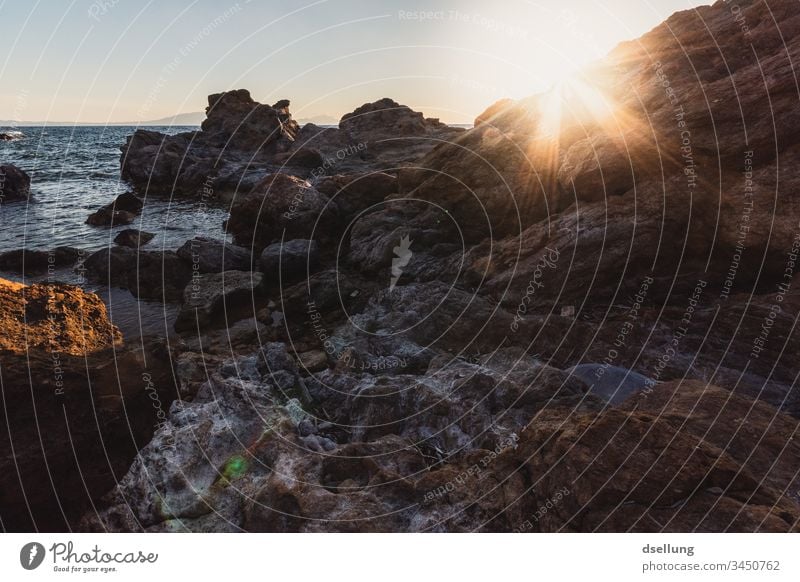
{"x":415,"y":327}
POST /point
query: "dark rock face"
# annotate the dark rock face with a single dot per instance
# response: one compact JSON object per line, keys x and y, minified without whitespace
{"x":234,"y":120}
{"x":242,"y":141}
{"x":72,"y":442}
{"x":217,"y":295}
{"x":556,"y":321}
{"x":33,"y":262}
{"x":128,"y":202}
{"x":153,"y":162}
{"x":74,"y":424}
{"x":15,"y":184}
{"x":237,"y":133}
{"x":717,"y":488}
{"x":290,"y":261}
{"x":301,"y":158}
{"x":394,"y":133}
{"x":284,"y":206}
{"x":155,"y":275}
{"x":132,"y":238}
{"x":208,"y":255}
{"x":397,"y":229}
{"x":355,"y":194}
{"x":278,"y":204}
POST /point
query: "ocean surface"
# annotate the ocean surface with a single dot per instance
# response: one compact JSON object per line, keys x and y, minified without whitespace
{"x":74,"y":171}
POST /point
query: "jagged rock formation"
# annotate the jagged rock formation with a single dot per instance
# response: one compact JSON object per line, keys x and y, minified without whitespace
{"x":666,"y":119}
{"x":421,"y":453}
{"x":236,"y":132}
{"x":215,"y":296}
{"x":586,"y":304}
{"x":242,"y":141}
{"x":278,"y":204}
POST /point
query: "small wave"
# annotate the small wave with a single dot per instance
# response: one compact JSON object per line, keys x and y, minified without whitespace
{"x":10,"y":135}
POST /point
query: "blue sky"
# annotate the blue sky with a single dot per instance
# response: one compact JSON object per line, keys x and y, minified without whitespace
{"x":134,"y":60}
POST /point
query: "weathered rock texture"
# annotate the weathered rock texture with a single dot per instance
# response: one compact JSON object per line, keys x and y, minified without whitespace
{"x":156,"y":275}
{"x":577,"y":316}
{"x":77,"y":404}
{"x":242,"y":141}
{"x":53,"y":316}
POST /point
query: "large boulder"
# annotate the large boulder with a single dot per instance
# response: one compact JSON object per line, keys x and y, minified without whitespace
{"x":132,"y":238}
{"x":401,"y":239}
{"x":15,"y":184}
{"x":279,"y":207}
{"x":657,"y":111}
{"x":379,"y":136}
{"x":153,"y":162}
{"x":57,"y":317}
{"x":217,"y":295}
{"x":36,"y":262}
{"x":287,"y":262}
{"x":237,"y":132}
{"x":358,"y":193}
{"x":394,"y":133}
{"x":386,"y":119}
{"x":155,"y":275}
{"x":208,"y":255}
{"x":234,"y":119}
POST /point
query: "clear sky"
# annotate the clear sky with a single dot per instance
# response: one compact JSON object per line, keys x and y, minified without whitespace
{"x":136,"y":60}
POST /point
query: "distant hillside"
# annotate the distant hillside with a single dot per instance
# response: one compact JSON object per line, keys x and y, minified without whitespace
{"x":319,"y":120}
{"x":194,"y":118}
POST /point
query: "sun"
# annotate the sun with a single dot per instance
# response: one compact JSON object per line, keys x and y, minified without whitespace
{"x":574,"y":100}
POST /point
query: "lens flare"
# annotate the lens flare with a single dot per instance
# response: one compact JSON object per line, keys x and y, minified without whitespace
{"x":574,"y":100}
